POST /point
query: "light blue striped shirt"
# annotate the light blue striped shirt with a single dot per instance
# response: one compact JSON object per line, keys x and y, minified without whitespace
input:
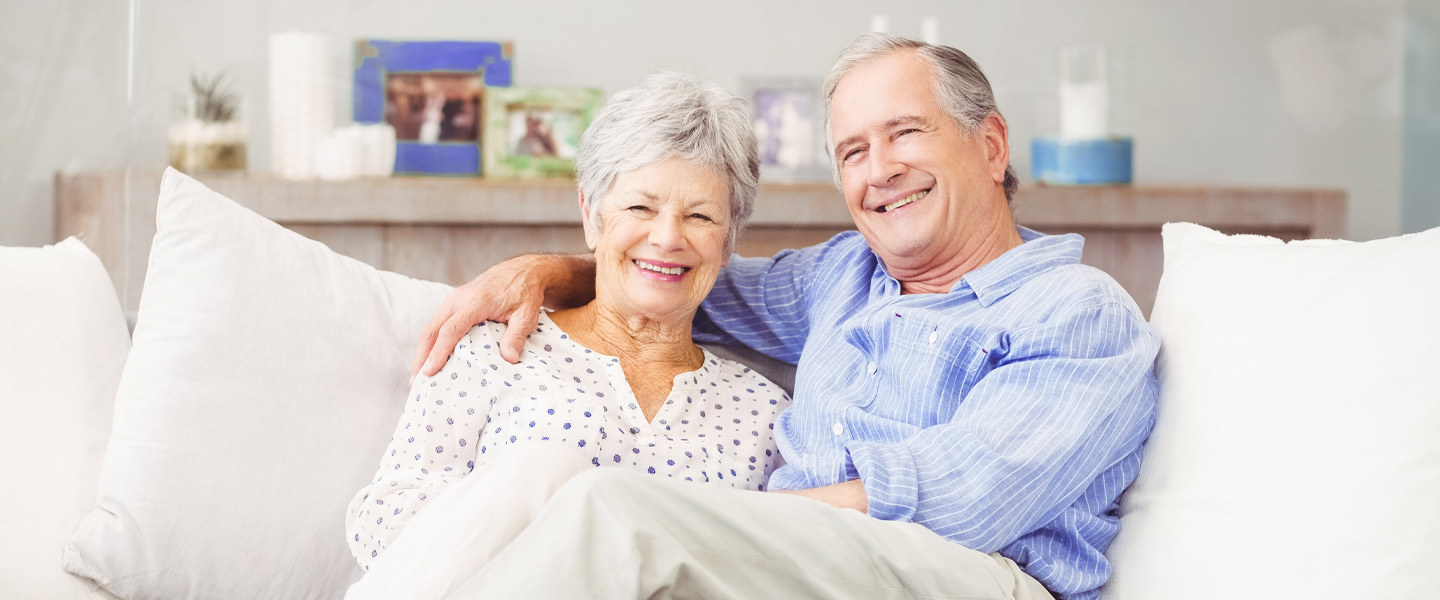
{"x":1006,"y":415}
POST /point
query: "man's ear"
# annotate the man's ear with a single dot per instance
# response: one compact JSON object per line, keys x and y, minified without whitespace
{"x":997,"y":146}
{"x":591,"y":236}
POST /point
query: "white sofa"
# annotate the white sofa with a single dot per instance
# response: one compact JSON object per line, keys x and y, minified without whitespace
{"x":1296,"y":454}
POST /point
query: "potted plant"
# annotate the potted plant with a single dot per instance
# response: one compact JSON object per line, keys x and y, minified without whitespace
{"x":208,"y":133}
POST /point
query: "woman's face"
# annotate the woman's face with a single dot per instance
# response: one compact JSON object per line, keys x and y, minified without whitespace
{"x":661,"y":240}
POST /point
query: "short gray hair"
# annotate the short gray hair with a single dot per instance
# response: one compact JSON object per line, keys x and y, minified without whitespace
{"x":960,"y":87}
{"x":672,"y":115}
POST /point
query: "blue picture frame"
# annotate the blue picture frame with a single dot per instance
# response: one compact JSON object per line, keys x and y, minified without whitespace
{"x":376,"y":60}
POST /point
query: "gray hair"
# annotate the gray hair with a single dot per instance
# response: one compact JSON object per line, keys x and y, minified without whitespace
{"x":960,"y":88}
{"x":672,"y":115}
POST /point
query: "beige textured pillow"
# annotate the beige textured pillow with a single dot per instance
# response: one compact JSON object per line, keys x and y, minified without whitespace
{"x":264,"y":382}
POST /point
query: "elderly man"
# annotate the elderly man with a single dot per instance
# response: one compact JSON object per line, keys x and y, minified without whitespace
{"x":976,"y":395}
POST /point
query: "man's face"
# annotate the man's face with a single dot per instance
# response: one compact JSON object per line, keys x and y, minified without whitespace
{"x":916,"y":184}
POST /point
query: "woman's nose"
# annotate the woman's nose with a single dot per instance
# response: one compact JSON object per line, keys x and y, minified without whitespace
{"x":667,"y":234}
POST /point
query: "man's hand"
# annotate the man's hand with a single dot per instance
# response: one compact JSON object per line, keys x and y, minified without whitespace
{"x":511,"y":292}
{"x":850,"y":494}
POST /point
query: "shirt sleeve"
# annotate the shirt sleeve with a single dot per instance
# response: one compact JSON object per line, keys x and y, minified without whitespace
{"x":761,"y":303}
{"x":1067,"y":400}
{"x":427,"y":454}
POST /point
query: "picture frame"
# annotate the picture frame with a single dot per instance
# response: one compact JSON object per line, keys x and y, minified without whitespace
{"x":789,"y":120}
{"x":533,"y":132}
{"x":432,"y":93}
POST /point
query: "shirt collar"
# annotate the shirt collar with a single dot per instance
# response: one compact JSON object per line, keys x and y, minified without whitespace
{"x":1037,"y":253}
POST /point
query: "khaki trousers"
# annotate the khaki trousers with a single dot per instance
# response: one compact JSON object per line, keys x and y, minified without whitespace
{"x":611,"y":533}
{"x":469,"y":523}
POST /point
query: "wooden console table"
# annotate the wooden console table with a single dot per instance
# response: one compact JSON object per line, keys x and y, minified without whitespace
{"x":450,"y":230}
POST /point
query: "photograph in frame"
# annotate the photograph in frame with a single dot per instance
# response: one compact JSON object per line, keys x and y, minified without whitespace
{"x":433,"y":94}
{"x":788,"y":116}
{"x":534,"y":132}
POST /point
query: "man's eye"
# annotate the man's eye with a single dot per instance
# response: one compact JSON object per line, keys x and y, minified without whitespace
{"x":909,"y":131}
{"x":852,"y":155}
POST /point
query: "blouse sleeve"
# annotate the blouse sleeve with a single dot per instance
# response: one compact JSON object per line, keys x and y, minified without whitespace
{"x":428,"y":453}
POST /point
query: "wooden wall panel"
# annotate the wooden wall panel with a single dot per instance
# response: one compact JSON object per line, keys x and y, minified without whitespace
{"x":1132,"y":256}
{"x":475,"y":249}
{"x":419,"y":251}
{"x":364,"y":243}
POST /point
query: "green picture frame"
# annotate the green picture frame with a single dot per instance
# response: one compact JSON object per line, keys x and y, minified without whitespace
{"x":533,"y":132}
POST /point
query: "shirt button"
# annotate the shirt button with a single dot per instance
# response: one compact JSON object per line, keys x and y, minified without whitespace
{"x":934,"y":335}
{"x":872,"y":367}
{"x":837,"y":428}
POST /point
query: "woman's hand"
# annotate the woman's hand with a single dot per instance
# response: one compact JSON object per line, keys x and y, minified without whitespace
{"x":511,"y":292}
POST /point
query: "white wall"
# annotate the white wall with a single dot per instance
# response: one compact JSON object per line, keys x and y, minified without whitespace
{"x":1263,"y":92}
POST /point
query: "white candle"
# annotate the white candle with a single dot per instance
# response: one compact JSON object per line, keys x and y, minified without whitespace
{"x":1084,"y":93}
{"x":1084,"y":109}
{"x":302,"y":105}
{"x":377,"y":150}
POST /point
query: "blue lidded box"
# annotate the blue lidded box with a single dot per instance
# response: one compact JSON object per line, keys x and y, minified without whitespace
{"x":1082,"y":161}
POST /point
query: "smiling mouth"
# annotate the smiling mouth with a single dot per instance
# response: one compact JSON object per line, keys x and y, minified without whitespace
{"x":903,"y":201}
{"x":659,"y":269}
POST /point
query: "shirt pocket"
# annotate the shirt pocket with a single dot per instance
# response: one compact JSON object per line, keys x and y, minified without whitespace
{"x":929,"y":368}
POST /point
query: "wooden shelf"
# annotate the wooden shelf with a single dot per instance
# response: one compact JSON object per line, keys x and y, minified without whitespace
{"x":451,"y":229}
{"x":1319,"y":212}
{"x":418,"y":200}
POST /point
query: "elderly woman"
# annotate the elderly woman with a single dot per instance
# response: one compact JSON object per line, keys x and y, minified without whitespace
{"x":667,"y":176}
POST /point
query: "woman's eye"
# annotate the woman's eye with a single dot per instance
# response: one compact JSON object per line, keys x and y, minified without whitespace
{"x":638,"y":208}
{"x":702,"y":217}
{"x":909,"y":131}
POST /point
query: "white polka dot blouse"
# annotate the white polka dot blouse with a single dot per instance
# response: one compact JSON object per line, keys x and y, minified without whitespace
{"x":716,"y":426}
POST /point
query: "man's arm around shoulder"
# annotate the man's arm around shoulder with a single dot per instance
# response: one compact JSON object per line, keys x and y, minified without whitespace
{"x":511,"y":292}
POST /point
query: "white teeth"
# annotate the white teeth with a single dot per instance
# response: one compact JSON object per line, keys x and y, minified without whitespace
{"x":903,"y":201}
{"x":666,"y":270}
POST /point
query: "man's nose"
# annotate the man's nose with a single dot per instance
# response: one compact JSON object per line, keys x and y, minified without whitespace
{"x":884,"y":165}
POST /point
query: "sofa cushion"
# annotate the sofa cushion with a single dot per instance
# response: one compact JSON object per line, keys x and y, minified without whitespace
{"x":264,"y":381}
{"x":62,"y":348}
{"x":1296,"y":452}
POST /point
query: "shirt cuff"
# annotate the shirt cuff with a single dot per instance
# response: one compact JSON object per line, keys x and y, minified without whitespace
{"x":888,"y":473}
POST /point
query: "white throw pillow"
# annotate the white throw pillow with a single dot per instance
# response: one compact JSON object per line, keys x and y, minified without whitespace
{"x":1297,"y":448}
{"x":62,"y":347}
{"x":264,"y":382}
